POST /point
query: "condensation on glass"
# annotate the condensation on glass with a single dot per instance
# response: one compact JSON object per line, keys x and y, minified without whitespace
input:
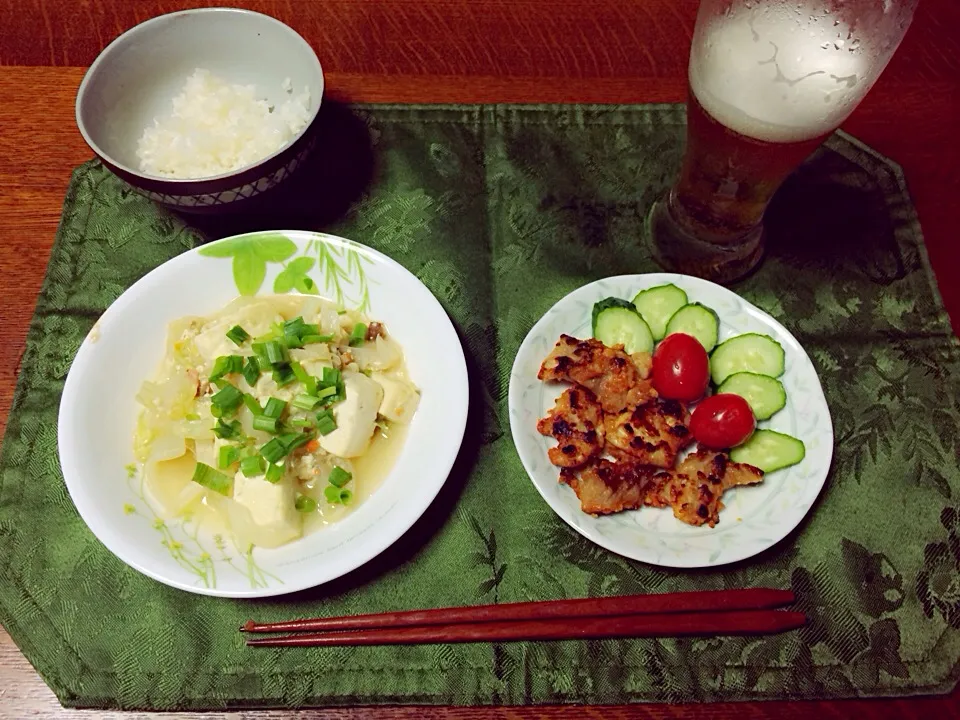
{"x":768,"y":81}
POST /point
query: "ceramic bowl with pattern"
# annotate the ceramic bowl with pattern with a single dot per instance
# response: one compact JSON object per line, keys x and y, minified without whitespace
{"x":135,"y":78}
{"x":754,"y":518}
{"x":98,"y":412}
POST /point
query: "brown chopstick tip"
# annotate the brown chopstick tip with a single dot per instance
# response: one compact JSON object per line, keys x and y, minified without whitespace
{"x":248,"y":626}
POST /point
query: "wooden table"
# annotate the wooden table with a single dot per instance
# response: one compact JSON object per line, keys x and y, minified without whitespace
{"x":449,"y":51}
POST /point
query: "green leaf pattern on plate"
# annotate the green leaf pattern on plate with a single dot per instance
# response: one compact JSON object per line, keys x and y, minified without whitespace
{"x":294,"y":275}
{"x":189,"y":552}
{"x":337,"y":266}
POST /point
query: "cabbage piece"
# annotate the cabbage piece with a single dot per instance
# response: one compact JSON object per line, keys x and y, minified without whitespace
{"x":382,"y":354}
{"x":165,"y":480}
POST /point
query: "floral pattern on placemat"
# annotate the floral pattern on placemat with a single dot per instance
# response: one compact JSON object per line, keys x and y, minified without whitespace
{"x":501,"y":211}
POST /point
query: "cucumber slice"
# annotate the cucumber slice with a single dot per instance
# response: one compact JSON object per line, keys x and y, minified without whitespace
{"x":769,"y":451}
{"x":657,"y":305}
{"x":765,"y":395}
{"x":697,"y":320}
{"x":617,"y":322}
{"x":751,"y":352}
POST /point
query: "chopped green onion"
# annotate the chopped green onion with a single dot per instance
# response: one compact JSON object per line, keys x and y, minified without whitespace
{"x":227,"y":399}
{"x":215,"y":411}
{"x":252,"y":466}
{"x":273,"y":451}
{"x":333,"y":399}
{"x":252,"y":405}
{"x":275,"y":332}
{"x":238,"y":335}
{"x":326,"y":392}
{"x":191,"y":416}
{"x":251,"y":371}
{"x":265,"y":424}
{"x":331,"y":377}
{"x":276,"y":352}
{"x":332,"y":494}
{"x":309,"y":382}
{"x":274,"y":407}
{"x":221,"y":383}
{"x":295,"y":332}
{"x":326,"y":426}
{"x":293,"y":325}
{"x":307,"y":422}
{"x":305,"y":402}
{"x":346,"y":496}
{"x":227,"y":431}
{"x":339,"y":477}
{"x":228,"y":456}
{"x":274,"y":473}
{"x":358,"y":334}
{"x":326,"y":423}
{"x":260,"y":352}
{"x":283,"y":375}
{"x":292,"y":441}
{"x":313,"y":339}
{"x":209,"y":478}
{"x":225,"y":365}
{"x":305,"y":504}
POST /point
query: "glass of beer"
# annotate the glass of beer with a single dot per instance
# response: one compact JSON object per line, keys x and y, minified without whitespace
{"x":768,"y":81}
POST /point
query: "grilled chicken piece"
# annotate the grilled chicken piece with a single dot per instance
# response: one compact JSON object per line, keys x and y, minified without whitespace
{"x":718,"y":464}
{"x":576,"y":421}
{"x":651,"y":434}
{"x":606,"y":487}
{"x":693,"y":490}
{"x":644,"y":363}
{"x":610,"y":373}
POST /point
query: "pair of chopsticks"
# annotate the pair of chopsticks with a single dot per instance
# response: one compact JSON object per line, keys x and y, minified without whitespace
{"x":703,"y":613}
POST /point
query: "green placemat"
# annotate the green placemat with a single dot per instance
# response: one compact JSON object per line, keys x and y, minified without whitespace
{"x":501,"y":211}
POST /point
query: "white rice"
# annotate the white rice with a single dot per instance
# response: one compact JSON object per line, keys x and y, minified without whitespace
{"x":216,"y":128}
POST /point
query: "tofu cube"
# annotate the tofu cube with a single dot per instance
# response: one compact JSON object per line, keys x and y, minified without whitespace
{"x":356,"y":417}
{"x":271,"y":506}
{"x":400,"y":398}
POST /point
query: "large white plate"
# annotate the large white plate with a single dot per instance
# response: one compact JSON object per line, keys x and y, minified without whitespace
{"x":755,"y":518}
{"x":98,"y":412}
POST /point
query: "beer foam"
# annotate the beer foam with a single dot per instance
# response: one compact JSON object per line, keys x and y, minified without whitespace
{"x":778,"y":75}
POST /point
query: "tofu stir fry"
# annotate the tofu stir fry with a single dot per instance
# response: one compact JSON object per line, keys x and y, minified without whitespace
{"x":264,"y":417}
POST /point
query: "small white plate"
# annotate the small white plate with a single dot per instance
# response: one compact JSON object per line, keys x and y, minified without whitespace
{"x":755,"y":518}
{"x":98,"y":411}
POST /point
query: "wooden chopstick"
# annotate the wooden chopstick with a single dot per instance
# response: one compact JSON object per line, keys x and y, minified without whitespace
{"x":736,"y":622}
{"x":665,"y":603}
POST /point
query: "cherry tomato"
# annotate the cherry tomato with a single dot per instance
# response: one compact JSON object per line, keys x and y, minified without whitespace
{"x":681,"y":370}
{"x":722,"y":421}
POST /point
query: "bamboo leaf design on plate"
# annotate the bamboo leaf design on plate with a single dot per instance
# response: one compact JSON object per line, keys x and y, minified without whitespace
{"x":191,"y":554}
{"x":337,"y":265}
{"x":340,"y":267}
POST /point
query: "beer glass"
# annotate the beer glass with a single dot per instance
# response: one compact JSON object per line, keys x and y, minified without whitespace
{"x":768,"y":81}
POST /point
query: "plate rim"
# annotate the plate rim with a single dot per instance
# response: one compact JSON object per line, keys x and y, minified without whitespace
{"x":585,"y":530}
{"x":442,"y":461}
